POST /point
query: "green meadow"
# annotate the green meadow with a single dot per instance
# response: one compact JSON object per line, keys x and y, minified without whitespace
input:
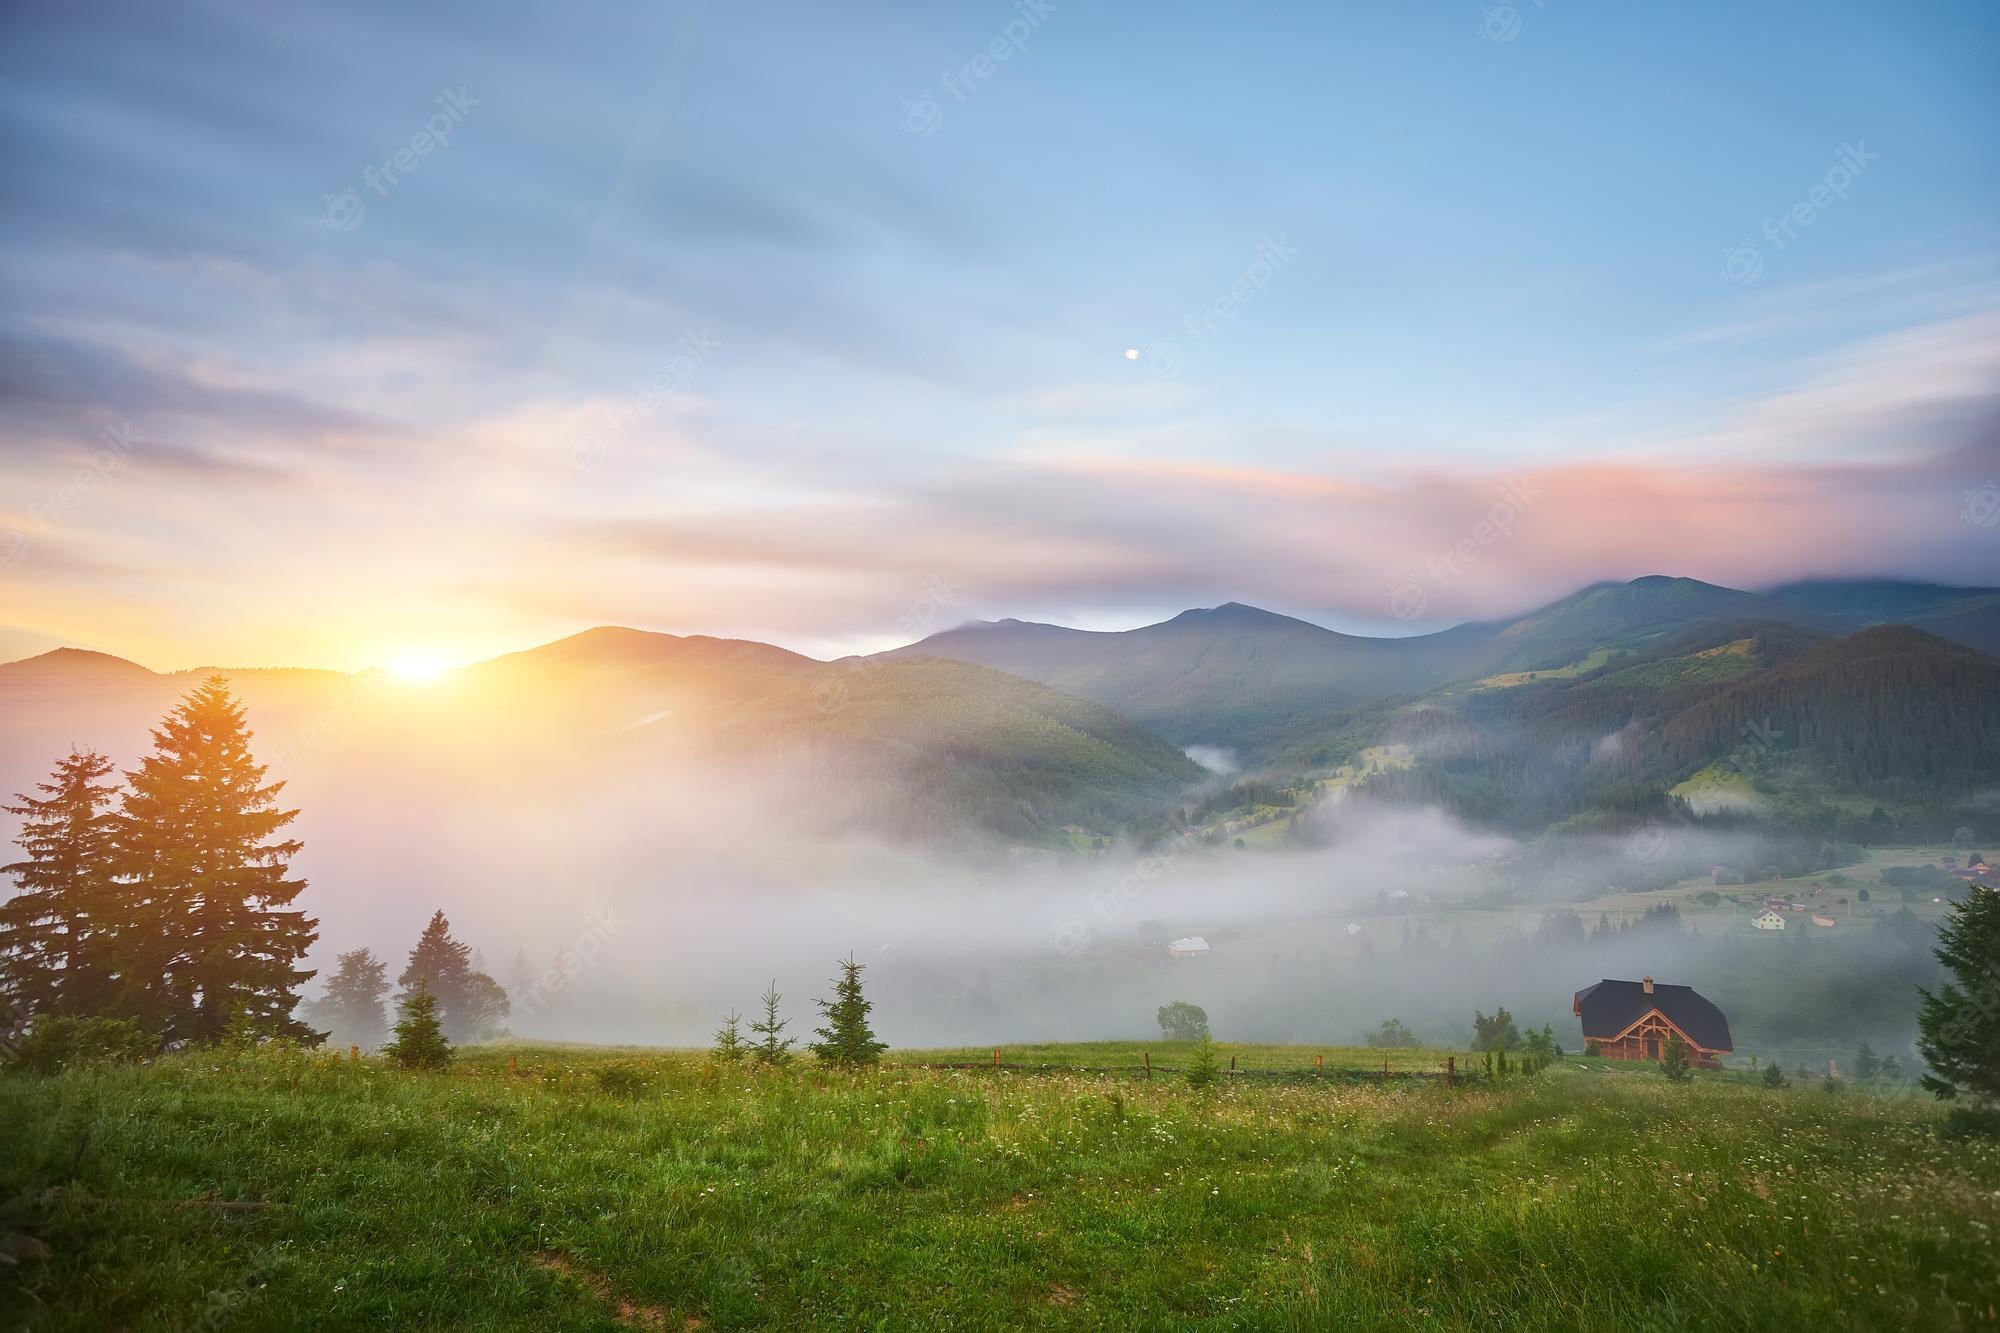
{"x":585,"y":1188}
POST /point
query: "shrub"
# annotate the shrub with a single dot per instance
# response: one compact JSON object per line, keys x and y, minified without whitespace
{"x":1392,"y":1035}
{"x":623,"y":1080}
{"x":1968,"y":1122}
{"x":1675,"y":1064}
{"x":61,"y":1042}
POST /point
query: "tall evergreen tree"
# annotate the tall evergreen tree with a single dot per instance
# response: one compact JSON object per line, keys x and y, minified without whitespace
{"x":208,"y":937}
{"x":352,"y":1007}
{"x":772,"y":1048}
{"x":1960,"y":1025}
{"x":469,"y":1002}
{"x":847,"y":1039}
{"x":54,"y":948}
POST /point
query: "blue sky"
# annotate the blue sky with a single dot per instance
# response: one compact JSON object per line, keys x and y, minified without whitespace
{"x":761,"y":319}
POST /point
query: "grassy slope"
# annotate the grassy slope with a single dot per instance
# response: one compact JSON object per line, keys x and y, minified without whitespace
{"x":910,"y":1197}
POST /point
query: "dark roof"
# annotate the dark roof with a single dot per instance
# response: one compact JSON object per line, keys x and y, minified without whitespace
{"x":1609,"y":1007}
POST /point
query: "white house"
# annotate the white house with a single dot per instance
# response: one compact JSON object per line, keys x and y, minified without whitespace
{"x":1768,"y":920}
{"x":1193,"y":946}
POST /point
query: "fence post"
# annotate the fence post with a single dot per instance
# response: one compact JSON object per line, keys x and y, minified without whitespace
{"x":1451,"y":1071}
{"x":1319,"y":1062}
{"x":353,"y":1054}
{"x":513,"y":1064}
{"x":1232,"y":1064}
{"x":1147,"y":1056}
{"x":996,"y":1057}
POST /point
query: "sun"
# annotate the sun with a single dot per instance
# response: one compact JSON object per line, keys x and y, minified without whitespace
{"x":417,"y":668}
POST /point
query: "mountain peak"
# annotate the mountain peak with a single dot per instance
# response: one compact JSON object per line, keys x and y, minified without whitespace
{"x":1236,"y":614}
{"x":76,"y":663}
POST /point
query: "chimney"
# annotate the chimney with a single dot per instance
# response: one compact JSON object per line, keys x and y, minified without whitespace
{"x":1647,"y":985}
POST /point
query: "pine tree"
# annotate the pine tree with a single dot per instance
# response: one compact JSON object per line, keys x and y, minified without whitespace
{"x":1774,"y":1077}
{"x":847,"y":1040}
{"x":54,"y":943}
{"x":773,"y":1049}
{"x":1960,"y":1025}
{"x":729,"y":1040}
{"x":443,"y":966}
{"x":206,"y":932}
{"x":420,"y":1042}
{"x":352,"y":1007}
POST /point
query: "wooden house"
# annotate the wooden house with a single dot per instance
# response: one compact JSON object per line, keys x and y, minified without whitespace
{"x":1193,"y":946}
{"x":1634,"y":1020}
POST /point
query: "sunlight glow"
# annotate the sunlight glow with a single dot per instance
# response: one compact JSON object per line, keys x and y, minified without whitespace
{"x":417,"y":668}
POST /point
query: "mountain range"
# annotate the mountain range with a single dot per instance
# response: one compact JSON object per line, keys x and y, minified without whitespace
{"x":1013,"y":733}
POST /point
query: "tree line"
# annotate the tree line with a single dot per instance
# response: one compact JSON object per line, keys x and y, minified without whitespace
{"x":166,"y":904}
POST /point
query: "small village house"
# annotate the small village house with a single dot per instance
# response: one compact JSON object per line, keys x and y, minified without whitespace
{"x":1635,"y":1020}
{"x":1768,"y":920}
{"x":1192,"y":946}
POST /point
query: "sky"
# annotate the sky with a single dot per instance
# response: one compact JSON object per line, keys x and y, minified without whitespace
{"x":351,"y":334}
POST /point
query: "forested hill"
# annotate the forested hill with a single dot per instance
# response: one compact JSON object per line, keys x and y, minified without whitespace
{"x":1886,"y":705}
{"x":1757,"y":720}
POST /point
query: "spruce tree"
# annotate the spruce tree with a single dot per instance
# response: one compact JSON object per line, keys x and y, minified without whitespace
{"x":420,"y":1042}
{"x":352,"y":1007}
{"x":1201,"y":1070}
{"x":773,"y":1048}
{"x":55,"y":955}
{"x":1960,"y":1025}
{"x":729,"y":1039}
{"x":443,"y":966}
{"x":847,"y":1040}
{"x":207,"y":936}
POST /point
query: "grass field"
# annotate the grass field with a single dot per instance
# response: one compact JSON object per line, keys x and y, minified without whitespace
{"x":273,"y":1190}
